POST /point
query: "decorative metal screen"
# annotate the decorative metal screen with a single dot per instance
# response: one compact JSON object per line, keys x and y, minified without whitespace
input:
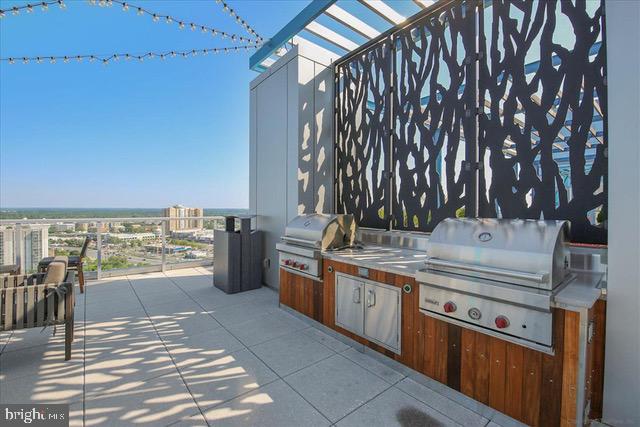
{"x":542,"y":125}
{"x":434,"y":117}
{"x":362,"y":131}
{"x":530,"y":74}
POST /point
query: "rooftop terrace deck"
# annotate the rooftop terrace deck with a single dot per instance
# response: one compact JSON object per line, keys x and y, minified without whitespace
{"x":170,"y":349}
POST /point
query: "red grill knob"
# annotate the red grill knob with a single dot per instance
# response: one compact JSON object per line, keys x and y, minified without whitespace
{"x":287,"y":262}
{"x":303,"y":266}
{"x":502,"y":322}
{"x":449,"y":307}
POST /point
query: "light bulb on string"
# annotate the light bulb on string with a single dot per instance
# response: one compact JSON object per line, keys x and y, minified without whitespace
{"x":140,"y":11}
{"x":155,"y":17}
{"x":162,"y":56}
{"x":38,"y":60}
{"x":194,"y":52}
{"x":12,"y":61}
{"x":127,"y":56}
{"x":65,"y":59}
{"x":52,"y":59}
{"x":169,"y":20}
{"x":115,"y":57}
{"x":79,"y":58}
{"x":181,"y":25}
{"x":45,"y":6}
{"x":193,"y":26}
{"x":25,"y":60}
{"x":92,"y":58}
{"x":62,"y":4}
{"x":1,"y":14}
{"x":29,"y":8}
{"x":141,"y":58}
{"x":173,"y":54}
{"x":15,"y":10}
{"x":125,"y":7}
{"x":204,"y":29}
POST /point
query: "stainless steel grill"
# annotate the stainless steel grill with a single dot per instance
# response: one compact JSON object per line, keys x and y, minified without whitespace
{"x":306,"y":236}
{"x":496,"y":275}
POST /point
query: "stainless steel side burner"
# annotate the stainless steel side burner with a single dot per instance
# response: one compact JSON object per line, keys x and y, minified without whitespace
{"x":496,"y":275}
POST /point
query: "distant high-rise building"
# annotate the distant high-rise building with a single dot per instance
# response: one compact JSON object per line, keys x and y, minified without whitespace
{"x":6,"y":246}
{"x":179,"y":211}
{"x":24,"y":245}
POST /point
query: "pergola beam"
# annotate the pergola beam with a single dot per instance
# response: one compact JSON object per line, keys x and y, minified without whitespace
{"x":348,"y":20}
{"x":331,"y":36}
{"x":423,"y":4}
{"x":385,"y":11}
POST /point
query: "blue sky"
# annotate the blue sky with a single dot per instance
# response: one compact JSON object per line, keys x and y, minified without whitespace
{"x":128,"y":134}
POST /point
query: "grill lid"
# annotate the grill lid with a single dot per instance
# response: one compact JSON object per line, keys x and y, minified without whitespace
{"x":524,"y":252}
{"x":321,"y":231}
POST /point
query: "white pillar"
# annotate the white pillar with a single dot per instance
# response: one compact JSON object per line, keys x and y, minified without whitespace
{"x":622,"y":354}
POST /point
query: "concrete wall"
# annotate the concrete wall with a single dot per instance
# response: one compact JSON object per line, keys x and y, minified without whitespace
{"x":291,"y":140}
{"x":622,"y":358}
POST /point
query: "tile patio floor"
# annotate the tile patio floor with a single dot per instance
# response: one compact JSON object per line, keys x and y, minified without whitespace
{"x":170,"y":349}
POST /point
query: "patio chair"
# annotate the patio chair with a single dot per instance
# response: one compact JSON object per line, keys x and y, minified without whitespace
{"x":74,"y":263}
{"x":39,"y":300}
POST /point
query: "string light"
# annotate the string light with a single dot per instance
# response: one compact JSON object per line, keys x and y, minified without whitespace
{"x":29,"y":7}
{"x":170,"y":19}
{"x":240,"y":21}
{"x":149,"y":55}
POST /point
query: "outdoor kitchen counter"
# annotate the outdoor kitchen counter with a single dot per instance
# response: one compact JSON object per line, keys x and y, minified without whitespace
{"x":581,"y":292}
{"x":405,"y":262}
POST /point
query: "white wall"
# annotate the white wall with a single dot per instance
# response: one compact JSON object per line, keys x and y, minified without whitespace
{"x":622,"y":357}
{"x":290,"y":110}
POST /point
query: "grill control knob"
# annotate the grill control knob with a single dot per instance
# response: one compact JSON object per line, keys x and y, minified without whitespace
{"x":303,"y":266}
{"x":502,"y":322}
{"x":295,"y":264}
{"x":287,"y":262}
{"x":449,"y":307}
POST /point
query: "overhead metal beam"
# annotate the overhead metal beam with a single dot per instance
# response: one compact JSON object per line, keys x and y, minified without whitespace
{"x":348,"y":20}
{"x":331,"y":36}
{"x":424,"y":3}
{"x":297,"y":24}
{"x":384,"y":11}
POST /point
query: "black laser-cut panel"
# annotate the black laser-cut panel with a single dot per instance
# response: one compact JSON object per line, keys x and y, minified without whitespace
{"x":542,"y":127}
{"x":362,"y":136}
{"x":434,"y":118}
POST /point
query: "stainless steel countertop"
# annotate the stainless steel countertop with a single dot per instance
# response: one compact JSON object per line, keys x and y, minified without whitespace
{"x":582,"y":292}
{"x":385,"y":258}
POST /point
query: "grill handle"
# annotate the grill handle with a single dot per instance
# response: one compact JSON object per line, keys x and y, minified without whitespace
{"x":532,"y":277}
{"x":300,"y":241}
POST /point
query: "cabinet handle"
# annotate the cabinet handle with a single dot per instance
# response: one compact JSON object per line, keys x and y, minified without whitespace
{"x":371,"y":298}
{"x":356,"y":295}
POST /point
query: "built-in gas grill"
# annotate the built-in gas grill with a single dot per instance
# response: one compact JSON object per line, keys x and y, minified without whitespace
{"x":306,"y":236}
{"x":498,"y":276}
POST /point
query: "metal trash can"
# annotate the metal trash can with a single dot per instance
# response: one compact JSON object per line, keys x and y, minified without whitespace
{"x":236,"y":262}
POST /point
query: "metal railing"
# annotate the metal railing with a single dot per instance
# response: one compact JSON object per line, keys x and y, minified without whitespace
{"x":101,"y":230}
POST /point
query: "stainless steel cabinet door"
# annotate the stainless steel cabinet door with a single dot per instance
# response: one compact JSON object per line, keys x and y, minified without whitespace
{"x":382,"y":315}
{"x":349,"y":307}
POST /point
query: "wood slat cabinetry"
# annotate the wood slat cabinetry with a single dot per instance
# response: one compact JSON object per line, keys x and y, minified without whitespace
{"x":536,"y":388}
